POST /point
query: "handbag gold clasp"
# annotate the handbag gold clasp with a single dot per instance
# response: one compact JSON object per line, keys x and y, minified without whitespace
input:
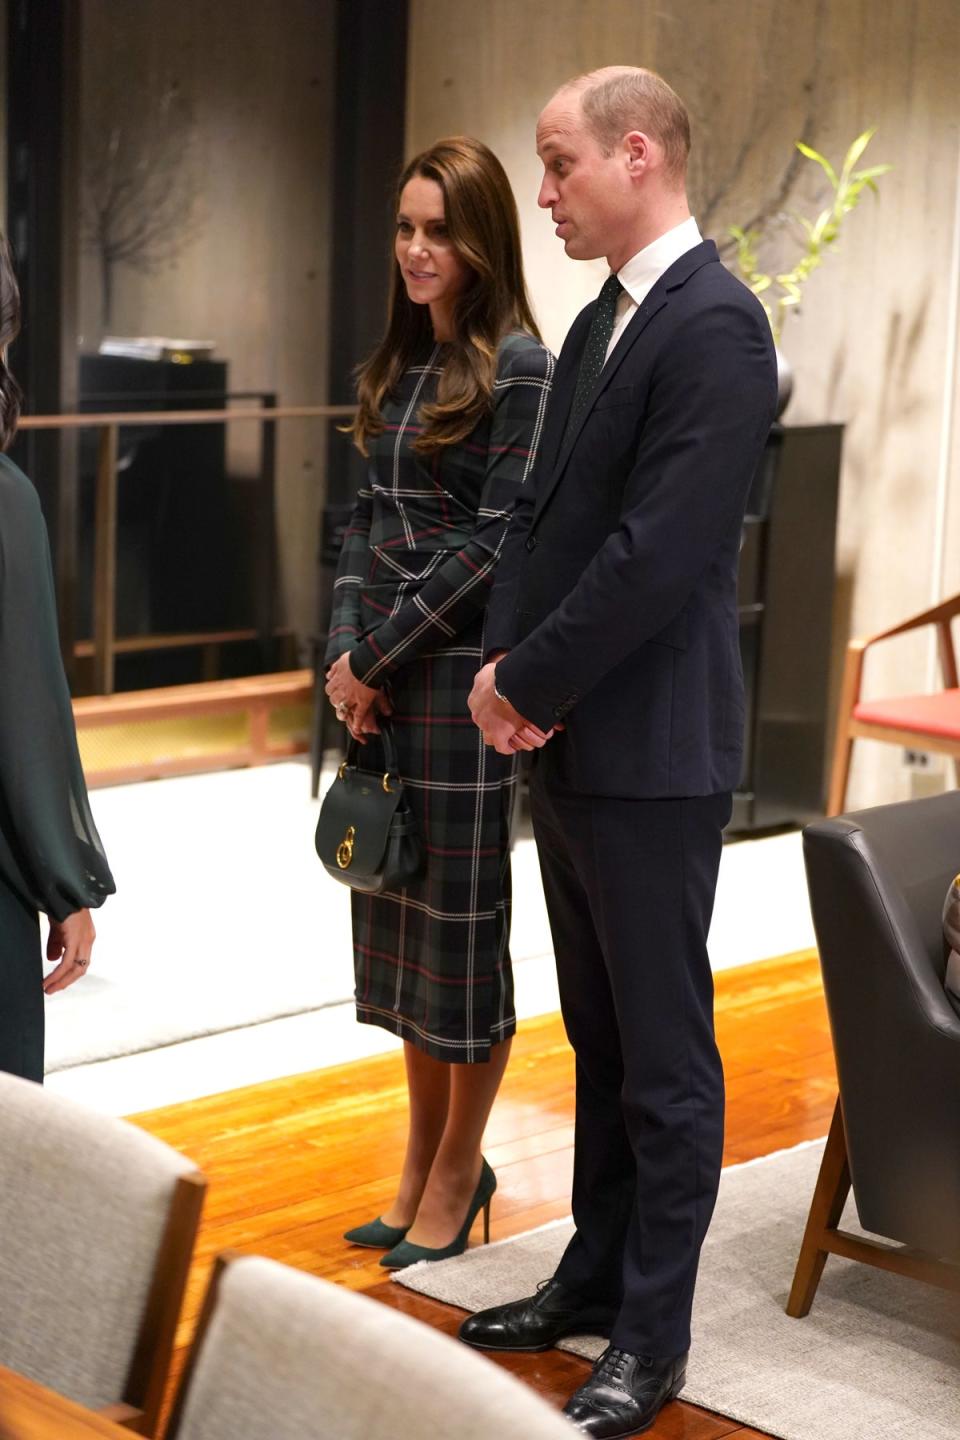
{"x":340,"y":769}
{"x":345,"y":848}
{"x":386,"y":783}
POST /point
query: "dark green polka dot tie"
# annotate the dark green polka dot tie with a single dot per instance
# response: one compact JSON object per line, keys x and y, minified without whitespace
{"x":595,"y":350}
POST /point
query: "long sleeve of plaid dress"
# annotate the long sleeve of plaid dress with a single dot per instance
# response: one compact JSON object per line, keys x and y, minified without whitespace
{"x":345,"y":620}
{"x":427,"y":612}
{"x":432,"y":961}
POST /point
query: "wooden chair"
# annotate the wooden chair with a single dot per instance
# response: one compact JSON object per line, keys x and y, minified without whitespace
{"x":282,"y":1354}
{"x":97,"y":1228}
{"x":920,"y":722}
{"x":877,"y":883}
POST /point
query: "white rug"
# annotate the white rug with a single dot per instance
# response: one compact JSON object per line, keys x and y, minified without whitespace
{"x":877,"y":1358}
{"x":223,"y":916}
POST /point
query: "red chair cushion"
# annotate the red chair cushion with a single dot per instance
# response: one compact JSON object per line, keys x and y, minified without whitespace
{"x":937,"y":714}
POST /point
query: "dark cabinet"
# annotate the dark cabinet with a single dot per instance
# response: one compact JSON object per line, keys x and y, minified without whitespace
{"x":786,"y":583}
{"x":173,"y":509}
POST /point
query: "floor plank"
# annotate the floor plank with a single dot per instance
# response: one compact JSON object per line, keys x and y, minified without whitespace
{"x":294,"y":1162}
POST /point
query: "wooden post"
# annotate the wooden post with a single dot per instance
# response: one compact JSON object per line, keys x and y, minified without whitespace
{"x":267,"y":506}
{"x":105,"y":561}
{"x":259,"y":730}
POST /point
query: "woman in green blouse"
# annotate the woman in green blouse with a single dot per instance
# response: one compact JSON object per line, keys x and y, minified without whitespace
{"x":51,"y":858}
{"x":450,"y":417}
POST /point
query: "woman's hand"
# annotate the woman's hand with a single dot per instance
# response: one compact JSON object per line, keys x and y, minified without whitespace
{"x":363,"y":723}
{"x":70,"y":941}
{"x":356,"y":704}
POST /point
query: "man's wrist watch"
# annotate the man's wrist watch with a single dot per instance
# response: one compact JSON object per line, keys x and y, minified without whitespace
{"x":497,"y":691}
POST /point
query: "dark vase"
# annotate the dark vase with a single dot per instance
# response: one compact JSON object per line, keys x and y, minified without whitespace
{"x":784,"y":381}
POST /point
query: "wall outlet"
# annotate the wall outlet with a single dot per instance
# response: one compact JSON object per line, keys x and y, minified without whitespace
{"x":927,"y":774}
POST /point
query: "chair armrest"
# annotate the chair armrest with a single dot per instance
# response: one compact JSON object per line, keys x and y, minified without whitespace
{"x":936,"y":615}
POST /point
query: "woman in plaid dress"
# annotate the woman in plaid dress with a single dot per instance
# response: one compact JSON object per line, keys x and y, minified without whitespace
{"x":450,"y":415}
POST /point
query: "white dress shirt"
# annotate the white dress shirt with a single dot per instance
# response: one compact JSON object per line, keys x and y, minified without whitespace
{"x":643,"y":270}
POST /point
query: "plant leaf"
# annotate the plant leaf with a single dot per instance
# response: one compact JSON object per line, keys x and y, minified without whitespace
{"x":820,"y":160}
{"x":858,"y":147}
{"x":820,"y":235}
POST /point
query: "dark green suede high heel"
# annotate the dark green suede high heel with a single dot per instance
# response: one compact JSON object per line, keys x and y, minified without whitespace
{"x":405,"y":1253}
{"x":376,"y":1235}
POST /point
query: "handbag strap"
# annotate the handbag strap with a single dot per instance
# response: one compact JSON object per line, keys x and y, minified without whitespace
{"x":389,"y":744}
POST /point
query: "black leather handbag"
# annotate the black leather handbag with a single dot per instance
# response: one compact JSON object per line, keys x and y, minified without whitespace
{"x":367,"y":835}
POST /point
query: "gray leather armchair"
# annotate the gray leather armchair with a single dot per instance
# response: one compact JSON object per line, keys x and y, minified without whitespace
{"x":877,"y":882}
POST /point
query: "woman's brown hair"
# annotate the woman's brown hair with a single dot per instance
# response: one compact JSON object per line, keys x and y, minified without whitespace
{"x":481,"y":219}
{"x":10,"y":392}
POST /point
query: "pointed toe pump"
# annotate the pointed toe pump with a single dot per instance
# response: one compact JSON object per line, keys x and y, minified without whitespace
{"x":405,"y":1253}
{"x":375,"y":1235}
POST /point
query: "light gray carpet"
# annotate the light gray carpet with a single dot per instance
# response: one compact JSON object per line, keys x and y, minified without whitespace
{"x":877,"y":1358}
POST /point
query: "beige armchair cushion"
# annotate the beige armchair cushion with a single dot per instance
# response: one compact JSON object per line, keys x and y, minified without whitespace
{"x":287,"y":1356}
{"x":83,"y":1206}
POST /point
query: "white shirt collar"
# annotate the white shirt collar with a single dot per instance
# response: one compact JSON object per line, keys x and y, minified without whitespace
{"x":643,"y":270}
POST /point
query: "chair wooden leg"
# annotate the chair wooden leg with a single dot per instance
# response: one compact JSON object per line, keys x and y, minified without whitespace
{"x":829,"y":1197}
{"x":843,"y":744}
{"x":840,"y":774}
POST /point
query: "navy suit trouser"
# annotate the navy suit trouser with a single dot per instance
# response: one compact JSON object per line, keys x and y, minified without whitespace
{"x":630,"y":886}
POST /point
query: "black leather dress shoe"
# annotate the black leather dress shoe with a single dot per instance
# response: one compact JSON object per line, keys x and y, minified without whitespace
{"x":538,"y":1321}
{"x":625,"y":1394}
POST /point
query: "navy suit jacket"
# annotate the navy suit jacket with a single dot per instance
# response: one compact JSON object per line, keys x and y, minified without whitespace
{"x":616,"y":593}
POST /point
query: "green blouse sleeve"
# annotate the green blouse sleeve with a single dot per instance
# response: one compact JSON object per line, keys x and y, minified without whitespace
{"x":50,"y":852}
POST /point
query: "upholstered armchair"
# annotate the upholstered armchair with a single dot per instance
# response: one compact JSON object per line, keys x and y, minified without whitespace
{"x":877,"y":881}
{"x":97,"y":1226}
{"x":919,"y":722}
{"x":282,"y":1354}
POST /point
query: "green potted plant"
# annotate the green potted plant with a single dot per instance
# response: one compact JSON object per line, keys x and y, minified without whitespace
{"x":781,"y":292}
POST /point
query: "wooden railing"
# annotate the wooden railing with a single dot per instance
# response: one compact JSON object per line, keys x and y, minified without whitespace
{"x":105,"y":643}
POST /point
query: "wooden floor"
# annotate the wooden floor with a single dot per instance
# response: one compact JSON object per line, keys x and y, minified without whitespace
{"x":294,"y":1162}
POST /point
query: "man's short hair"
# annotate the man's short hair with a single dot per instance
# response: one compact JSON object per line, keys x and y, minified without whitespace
{"x":623,"y":98}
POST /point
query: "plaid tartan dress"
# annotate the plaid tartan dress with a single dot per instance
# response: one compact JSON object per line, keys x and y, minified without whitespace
{"x":432,"y":960}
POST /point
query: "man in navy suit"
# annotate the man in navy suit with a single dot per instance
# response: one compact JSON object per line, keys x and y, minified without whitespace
{"x":612,"y":647}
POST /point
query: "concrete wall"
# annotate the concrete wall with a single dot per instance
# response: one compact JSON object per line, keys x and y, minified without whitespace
{"x":245,"y":90}
{"x":874,"y":344}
